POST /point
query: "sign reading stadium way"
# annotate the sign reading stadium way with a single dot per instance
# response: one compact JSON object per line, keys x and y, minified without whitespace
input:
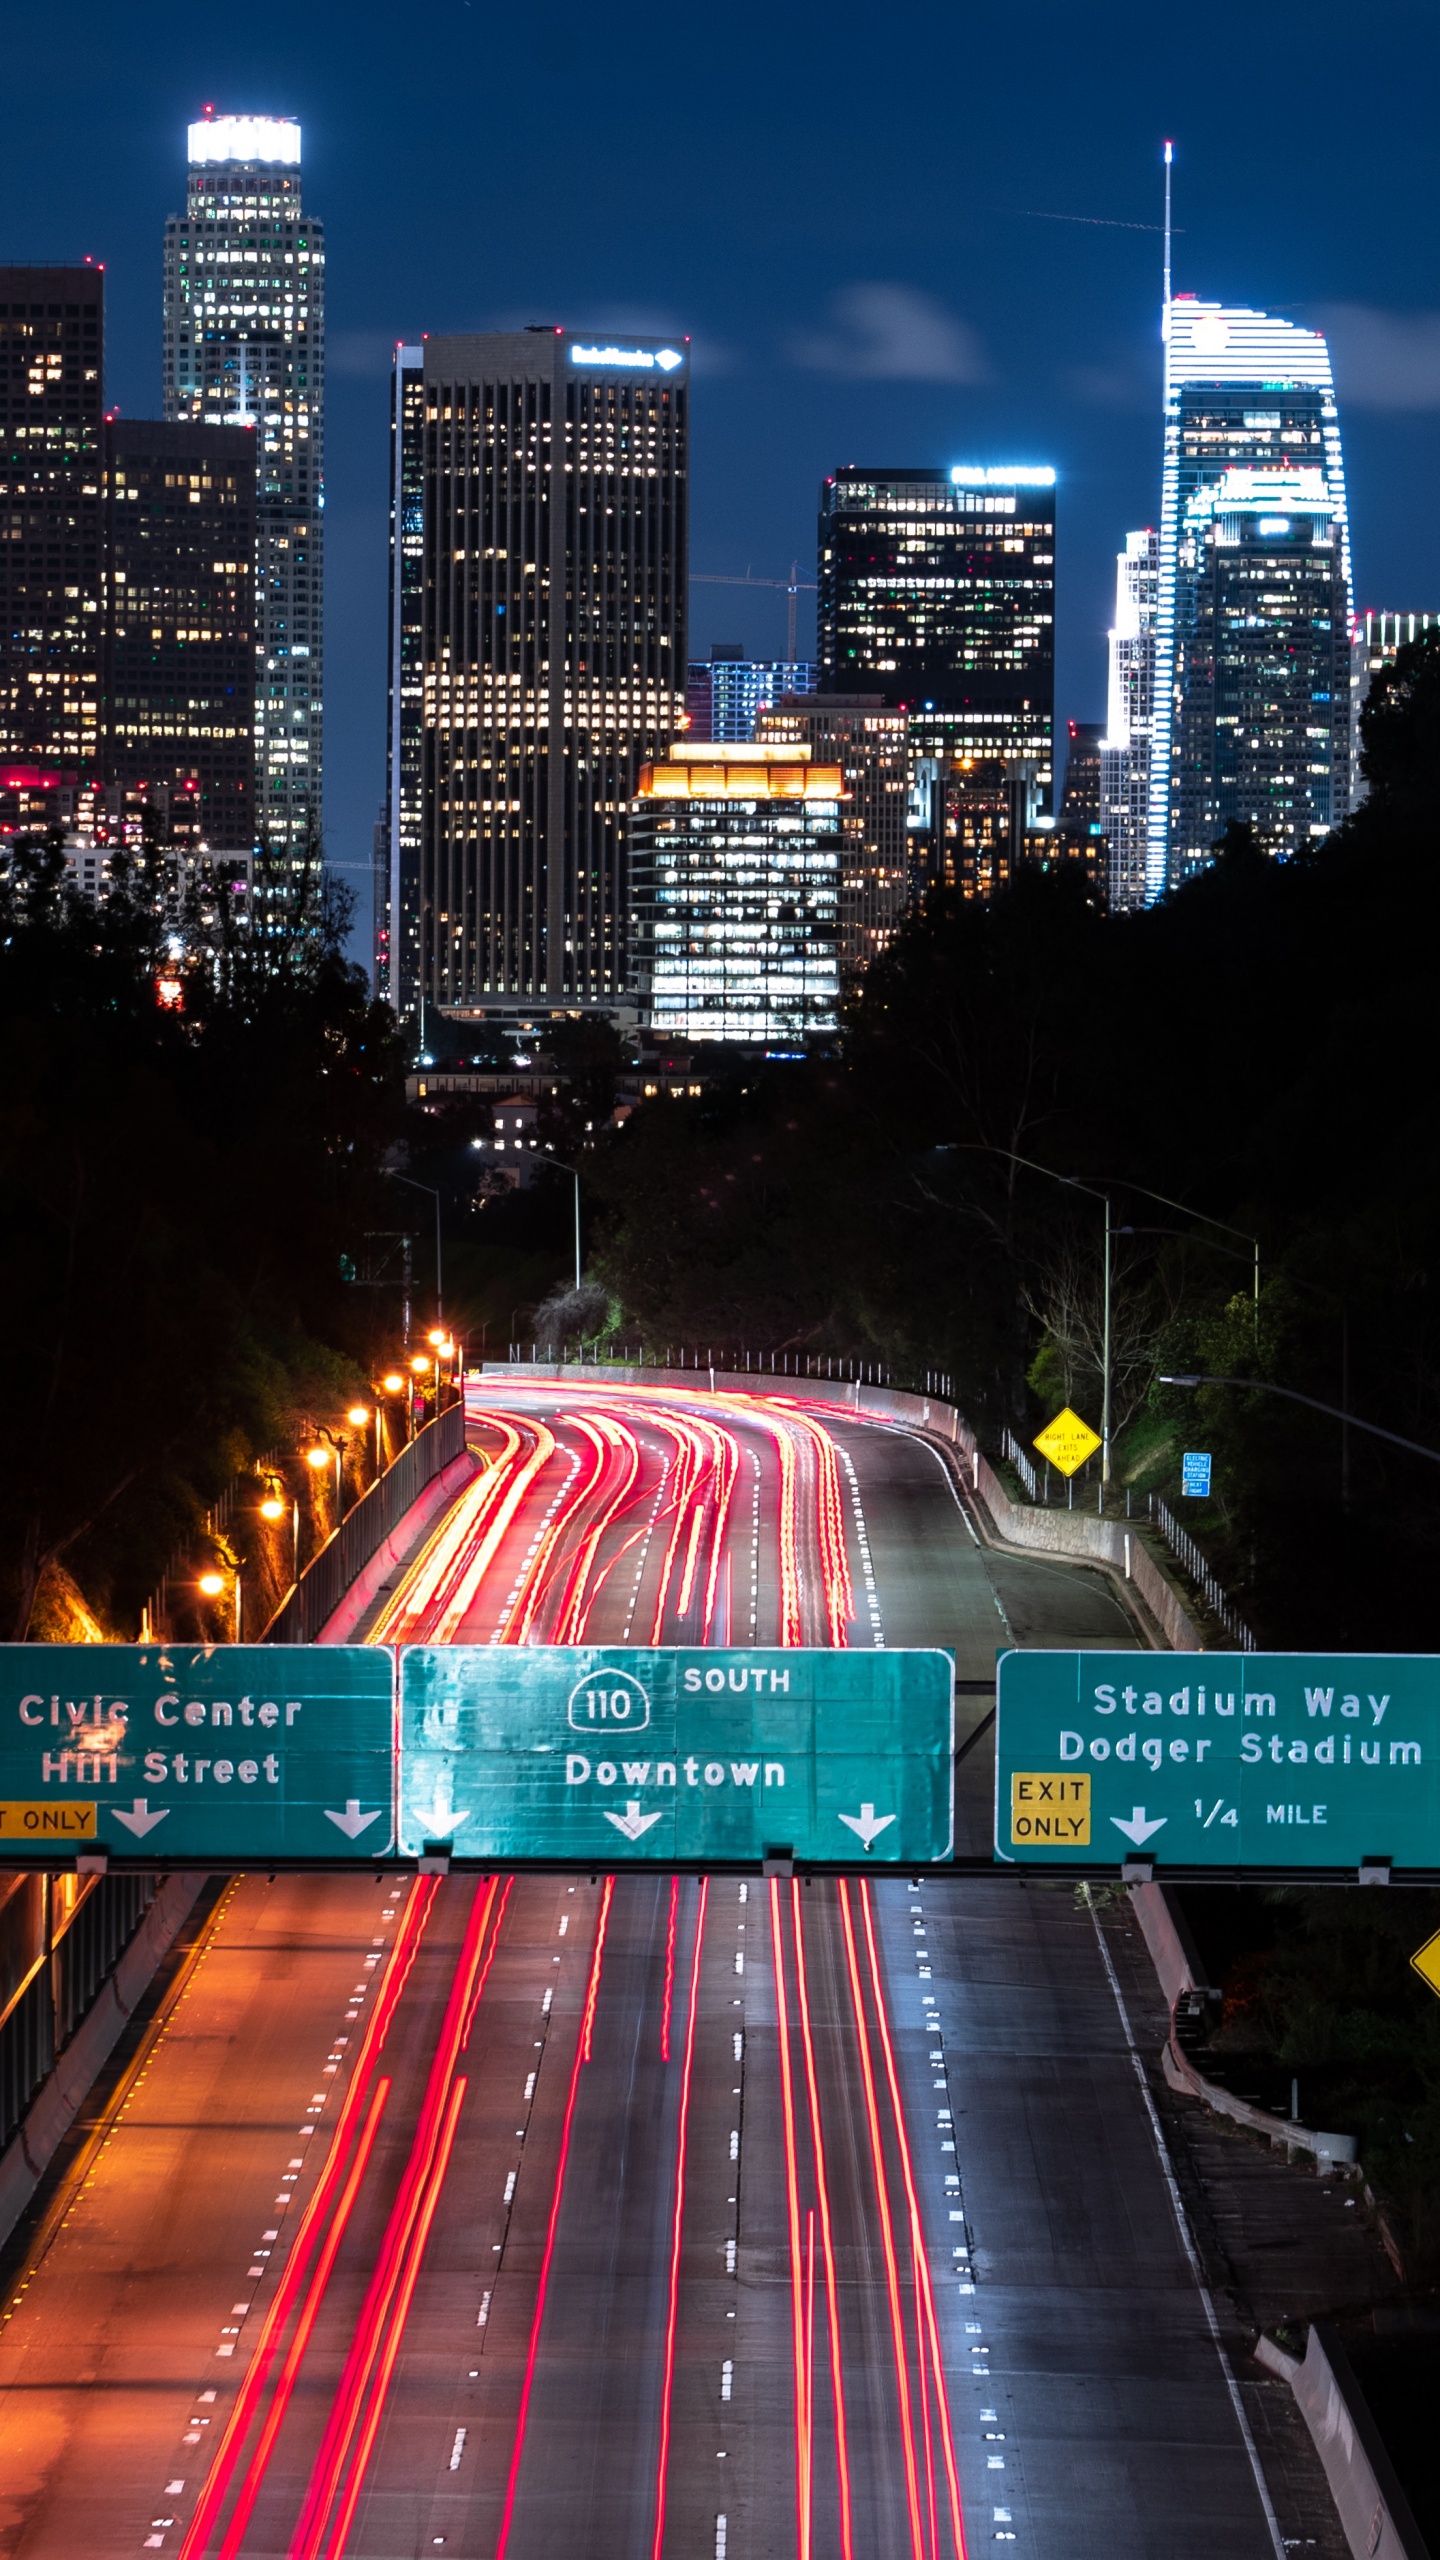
{"x":1218,"y":1759}
{"x":226,"y":1754}
{"x":624,"y":1753}
{"x":235,"y":1755}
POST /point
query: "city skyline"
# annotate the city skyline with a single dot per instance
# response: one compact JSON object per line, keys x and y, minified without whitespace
{"x":843,"y":359}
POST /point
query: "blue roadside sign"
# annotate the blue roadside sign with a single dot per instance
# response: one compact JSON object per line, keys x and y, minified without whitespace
{"x":1195,"y":1472}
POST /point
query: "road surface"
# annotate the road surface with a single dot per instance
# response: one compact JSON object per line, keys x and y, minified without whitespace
{"x":646,"y":2215}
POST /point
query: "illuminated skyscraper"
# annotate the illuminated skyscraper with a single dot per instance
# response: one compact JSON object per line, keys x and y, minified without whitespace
{"x":737,"y":851}
{"x":1247,"y":394}
{"x":868,"y":746}
{"x":937,"y":591}
{"x":179,"y":696}
{"x":244,"y":346}
{"x":1125,"y":746}
{"x":1262,"y":665}
{"x":51,"y":532}
{"x":537,"y":659}
{"x":726,"y":692}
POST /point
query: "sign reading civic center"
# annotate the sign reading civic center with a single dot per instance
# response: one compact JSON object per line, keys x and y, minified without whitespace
{"x":1213,"y":1759}
{"x":223,"y":1753}
{"x":619,"y":1753}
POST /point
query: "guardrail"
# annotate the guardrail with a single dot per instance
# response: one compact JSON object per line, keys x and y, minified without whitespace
{"x":1197,"y":1564}
{"x":69,"y":1965}
{"x":848,"y":1368}
{"x":328,"y":1576}
{"x":1021,"y":1464}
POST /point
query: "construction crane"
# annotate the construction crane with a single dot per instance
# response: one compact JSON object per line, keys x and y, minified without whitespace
{"x":792,"y":587}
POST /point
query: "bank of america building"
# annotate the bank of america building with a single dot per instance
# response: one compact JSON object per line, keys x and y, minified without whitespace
{"x":1253,"y":594}
{"x":537,"y":662}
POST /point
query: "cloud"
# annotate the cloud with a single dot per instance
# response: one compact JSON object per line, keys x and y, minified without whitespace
{"x":893,"y":333}
{"x":1383,"y":359}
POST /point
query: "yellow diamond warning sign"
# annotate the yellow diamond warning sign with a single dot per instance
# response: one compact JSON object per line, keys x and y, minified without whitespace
{"x":1050,"y":1804}
{"x":1067,"y":1442}
{"x":1426,"y":1961}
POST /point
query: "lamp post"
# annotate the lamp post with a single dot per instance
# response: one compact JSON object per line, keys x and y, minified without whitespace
{"x":413,"y":1185}
{"x":1072,"y":1184}
{"x":1292,"y":1395}
{"x":562,"y":1167}
{"x":212,"y":1584}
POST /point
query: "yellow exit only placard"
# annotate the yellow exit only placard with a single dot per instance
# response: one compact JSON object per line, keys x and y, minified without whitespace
{"x":47,"y":1821}
{"x":1050,"y":1804}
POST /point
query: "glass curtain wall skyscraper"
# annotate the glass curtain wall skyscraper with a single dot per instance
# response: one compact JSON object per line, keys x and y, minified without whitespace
{"x":51,"y":529}
{"x":937,"y":591}
{"x":1130,"y":710}
{"x":244,"y":346}
{"x":1243,"y":392}
{"x":537,"y":659}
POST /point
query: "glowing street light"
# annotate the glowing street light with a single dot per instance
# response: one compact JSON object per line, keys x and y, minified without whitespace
{"x":212,"y":1584}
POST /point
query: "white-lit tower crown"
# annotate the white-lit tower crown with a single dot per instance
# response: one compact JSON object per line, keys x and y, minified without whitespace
{"x":245,"y":344}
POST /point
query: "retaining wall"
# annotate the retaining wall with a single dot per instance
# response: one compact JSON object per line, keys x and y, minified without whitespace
{"x":1373,"y":2508}
{"x":63,"y":2094}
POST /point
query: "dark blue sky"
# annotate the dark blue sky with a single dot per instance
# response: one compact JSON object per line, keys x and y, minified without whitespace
{"x":846,"y":207}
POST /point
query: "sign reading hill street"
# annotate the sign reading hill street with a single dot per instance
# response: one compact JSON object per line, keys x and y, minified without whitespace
{"x":223,"y":1754}
{"x":246,"y":1755}
{"x":618,"y":1754}
{"x":1214,"y":1759}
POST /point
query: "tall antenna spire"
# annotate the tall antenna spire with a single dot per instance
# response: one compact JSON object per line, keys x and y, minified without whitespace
{"x":1165,"y":319}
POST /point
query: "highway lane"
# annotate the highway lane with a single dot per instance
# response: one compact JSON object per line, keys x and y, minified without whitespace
{"x":605,"y":2247}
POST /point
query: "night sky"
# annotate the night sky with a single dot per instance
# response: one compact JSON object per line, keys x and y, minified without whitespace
{"x":851,"y":210}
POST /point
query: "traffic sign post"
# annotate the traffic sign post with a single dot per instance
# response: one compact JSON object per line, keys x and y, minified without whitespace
{"x":1248,"y":1760}
{"x":222,"y":1755}
{"x":645,"y":1755}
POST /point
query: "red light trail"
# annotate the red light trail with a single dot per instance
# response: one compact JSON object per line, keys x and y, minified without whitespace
{"x":677,"y":2228}
{"x":542,"y":2288}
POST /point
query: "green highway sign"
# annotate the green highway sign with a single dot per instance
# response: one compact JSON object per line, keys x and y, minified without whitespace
{"x":1218,"y":1759}
{"x":226,"y":1754}
{"x":642,"y":1755}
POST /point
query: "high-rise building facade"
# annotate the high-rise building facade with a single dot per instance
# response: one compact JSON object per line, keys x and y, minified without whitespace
{"x":1243,"y":392}
{"x":726,"y":692}
{"x":937,"y":590}
{"x":397,"y":839}
{"x":737,"y":851}
{"x":868,"y":746}
{"x":539,"y":532}
{"x":51,"y":529}
{"x":179,"y":682}
{"x":1130,"y":711}
{"x":1376,"y":640}
{"x":244,"y":346}
{"x":1262,"y":665}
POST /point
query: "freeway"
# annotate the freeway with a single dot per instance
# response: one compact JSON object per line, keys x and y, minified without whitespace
{"x":645,"y":2215}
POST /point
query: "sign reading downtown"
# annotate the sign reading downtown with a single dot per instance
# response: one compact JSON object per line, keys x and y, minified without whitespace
{"x":638,"y":1755}
{"x":1225,"y":1760}
{"x":238,"y":1755}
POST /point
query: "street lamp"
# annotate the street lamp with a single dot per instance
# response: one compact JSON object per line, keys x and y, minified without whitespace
{"x":1292,"y":1395}
{"x":273,"y":1509}
{"x":1072,"y":1184}
{"x":413,"y":1185}
{"x":573,"y":1171}
{"x":212,"y":1584}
